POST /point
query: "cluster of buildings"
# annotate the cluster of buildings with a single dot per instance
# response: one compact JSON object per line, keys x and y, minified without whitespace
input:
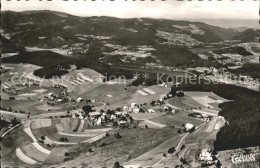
{"x":97,"y":118}
{"x":178,"y":39}
{"x":204,"y":117}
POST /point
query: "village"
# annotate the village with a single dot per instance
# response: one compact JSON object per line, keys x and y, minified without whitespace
{"x":149,"y":108}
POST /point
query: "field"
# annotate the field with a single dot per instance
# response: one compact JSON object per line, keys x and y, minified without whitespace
{"x":149,"y":94}
{"x":145,"y":116}
{"x":120,"y":94}
{"x":123,"y":149}
{"x":177,"y":119}
{"x":9,"y":144}
{"x":199,"y":102}
{"x":26,"y":147}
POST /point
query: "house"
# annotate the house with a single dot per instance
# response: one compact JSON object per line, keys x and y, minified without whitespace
{"x":113,"y":117}
{"x":151,"y":111}
{"x":189,"y":127}
{"x":166,"y":108}
{"x":94,"y":114}
{"x":136,"y":110}
{"x":133,"y":105}
{"x":79,"y":99}
{"x":99,"y":121}
{"x":205,"y":155}
{"x":59,"y":100}
{"x":125,"y":108}
{"x":118,"y":113}
{"x":50,"y":94}
{"x":93,"y":101}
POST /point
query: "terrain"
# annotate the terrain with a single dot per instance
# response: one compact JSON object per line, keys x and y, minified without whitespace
{"x":84,"y":91}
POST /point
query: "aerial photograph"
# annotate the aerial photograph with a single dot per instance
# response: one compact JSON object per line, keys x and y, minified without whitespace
{"x":130,"y":84}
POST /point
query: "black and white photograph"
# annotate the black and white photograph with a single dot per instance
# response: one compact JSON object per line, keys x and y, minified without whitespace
{"x":130,"y":83}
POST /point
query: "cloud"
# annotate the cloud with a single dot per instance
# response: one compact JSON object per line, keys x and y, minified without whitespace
{"x":170,"y":9}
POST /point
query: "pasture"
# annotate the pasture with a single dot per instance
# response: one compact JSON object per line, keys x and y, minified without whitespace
{"x":129,"y":146}
{"x":177,"y":119}
{"x":148,"y":94}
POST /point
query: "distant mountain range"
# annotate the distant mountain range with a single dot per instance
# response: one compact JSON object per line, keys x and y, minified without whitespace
{"x":50,"y":29}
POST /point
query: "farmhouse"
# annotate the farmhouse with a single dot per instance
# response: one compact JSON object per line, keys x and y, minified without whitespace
{"x":151,"y":111}
{"x":189,"y":127}
{"x":205,"y":155}
{"x":79,"y":99}
{"x":125,"y":108}
{"x":94,"y":114}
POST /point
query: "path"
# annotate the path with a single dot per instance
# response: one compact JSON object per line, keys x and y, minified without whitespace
{"x":149,"y":157}
{"x":10,"y":130}
{"x":81,"y":125}
{"x":24,"y":158}
{"x":172,"y":106}
{"x":155,"y":156}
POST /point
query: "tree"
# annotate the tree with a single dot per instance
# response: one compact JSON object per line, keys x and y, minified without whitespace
{"x":117,"y":135}
{"x":14,"y":122}
{"x":184,"y":161}
{"x":103,"y":144}
{"x":67,"y":154}
{"x":87,"y":109}
{"x":90,"y":150}
{"x":110,"y":112}
{"x":117,"y":165}
{"x":180,"y":94}
{"x":164,"y":155}
{"x":11,"y":98}
{"x":42,"y":137}
{"x":182,"y":147}
{"x":179,"y":131}
{"x":171,"y":150}
{"x":218,"y":165}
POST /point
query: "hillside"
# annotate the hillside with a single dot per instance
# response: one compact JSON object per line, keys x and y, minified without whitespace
{"x":48,"y":29}
{"x":233,"y":50}
{"x":109,"y":40}
{"x":242,"y":114}
{"x":248,"y":35}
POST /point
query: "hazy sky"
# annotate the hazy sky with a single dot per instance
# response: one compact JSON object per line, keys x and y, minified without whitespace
{"x":170,"y":9}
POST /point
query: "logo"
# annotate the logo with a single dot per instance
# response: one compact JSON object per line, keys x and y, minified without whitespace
{"x":238,"y":159}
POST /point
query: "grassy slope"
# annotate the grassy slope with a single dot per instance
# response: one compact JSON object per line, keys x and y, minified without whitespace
{"x":242,"y":114}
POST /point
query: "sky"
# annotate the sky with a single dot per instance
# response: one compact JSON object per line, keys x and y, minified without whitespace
{"x":169,"y":9}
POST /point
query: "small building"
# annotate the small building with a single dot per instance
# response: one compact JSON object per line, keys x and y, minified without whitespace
{"x":94,"y":114}
{"x":136,"y":110}
{"x":49,"y":95}
{"x":59,"y":100}
{"x":166,"y":108}
{"x":79,"y":99}
{"x":151,"y":111}
{"x":205,"y":155}
{"x":118,"y":113}
{"x":189,"y":127}
{"x":99,"y":121}
{"x":133,"y":105}
{"x":125,"y":108}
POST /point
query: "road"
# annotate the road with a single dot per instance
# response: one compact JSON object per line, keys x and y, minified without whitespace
{"x":10,"y":130}
{"x":155,"y":156}
{"x":197,"y":128}
{"x":25,"y":116}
